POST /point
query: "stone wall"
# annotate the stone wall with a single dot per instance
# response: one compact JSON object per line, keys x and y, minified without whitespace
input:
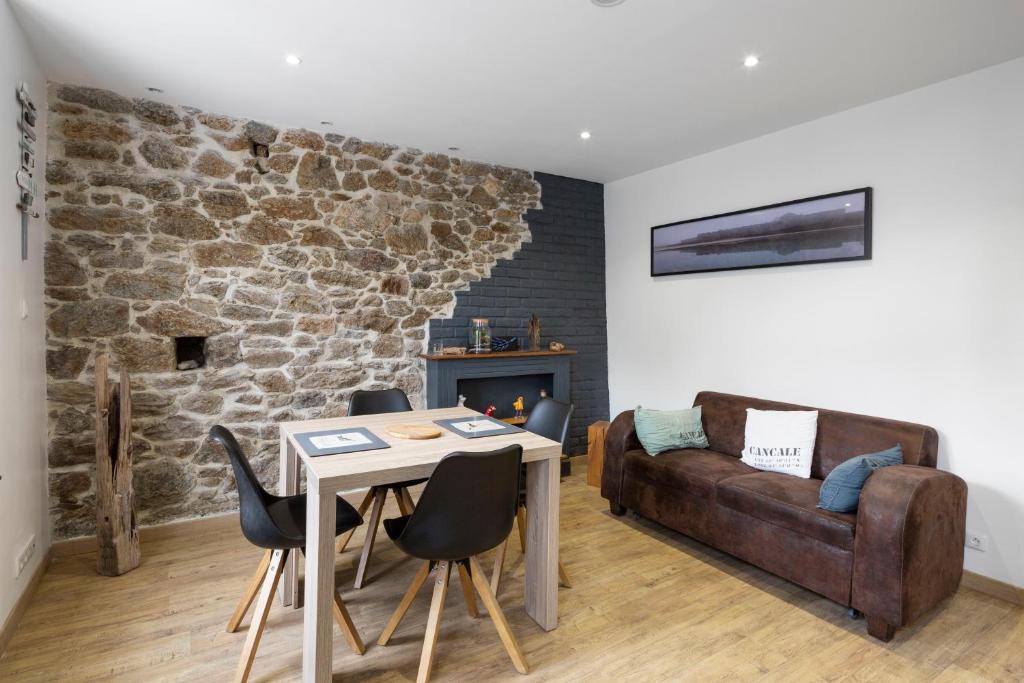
{"x":559,"y":276}
{"x":310,"y":263}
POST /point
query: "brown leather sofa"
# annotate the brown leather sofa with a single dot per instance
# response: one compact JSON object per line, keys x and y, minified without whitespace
{"x":894,"y":559}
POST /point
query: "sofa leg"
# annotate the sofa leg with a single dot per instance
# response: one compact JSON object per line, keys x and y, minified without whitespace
{"x":878,"y":628}
{"x":616,"y":509}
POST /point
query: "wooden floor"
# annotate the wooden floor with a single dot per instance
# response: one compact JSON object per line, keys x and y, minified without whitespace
{"x":646,"y":604}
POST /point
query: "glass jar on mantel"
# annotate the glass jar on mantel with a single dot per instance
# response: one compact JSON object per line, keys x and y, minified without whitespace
{"x":479,"y":336}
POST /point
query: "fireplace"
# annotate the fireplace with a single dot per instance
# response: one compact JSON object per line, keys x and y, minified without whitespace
{"x":498,"y":378}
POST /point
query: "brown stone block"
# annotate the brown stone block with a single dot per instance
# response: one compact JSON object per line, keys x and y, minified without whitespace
{"x":66,"y":362}
{"x":292,"y":208}
{"x":173,"y":320}
{"x":110,"y":220}
{"x":96,"y":318}
{"x":143,"y":354}
{"x":224,"y":254}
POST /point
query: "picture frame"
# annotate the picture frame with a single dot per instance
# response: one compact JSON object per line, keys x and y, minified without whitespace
{"x":825,"y":228}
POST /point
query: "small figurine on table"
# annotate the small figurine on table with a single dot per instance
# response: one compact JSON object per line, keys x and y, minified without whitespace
{"x":462,"y":401}
{"x":518,"y":405}
{"x":491,"y":409}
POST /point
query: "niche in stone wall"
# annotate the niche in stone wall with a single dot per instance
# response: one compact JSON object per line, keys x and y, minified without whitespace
{"x":189,"y":353}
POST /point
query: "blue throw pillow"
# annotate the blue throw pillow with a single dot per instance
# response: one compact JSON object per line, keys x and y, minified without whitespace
{"x":840,"y":492}
{"x":663,"y":430}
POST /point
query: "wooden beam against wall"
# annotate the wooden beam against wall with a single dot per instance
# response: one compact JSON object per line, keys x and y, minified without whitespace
{"x":117,"y":534}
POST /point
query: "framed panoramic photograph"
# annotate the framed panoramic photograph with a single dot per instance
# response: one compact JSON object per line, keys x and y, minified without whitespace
{"x":827,"y":228}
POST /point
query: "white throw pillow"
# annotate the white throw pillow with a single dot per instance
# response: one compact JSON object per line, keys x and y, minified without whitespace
{"x":780,"y":440}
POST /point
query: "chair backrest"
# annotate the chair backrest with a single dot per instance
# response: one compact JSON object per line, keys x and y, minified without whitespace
{"x":383,"y":401}
{"x":550,"y":419}
{"x":257,"y":524}
{"x":467,"y":506}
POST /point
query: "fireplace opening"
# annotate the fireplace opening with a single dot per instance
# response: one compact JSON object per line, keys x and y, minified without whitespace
{"x":480,"y":392}
{"x":189,"y":352}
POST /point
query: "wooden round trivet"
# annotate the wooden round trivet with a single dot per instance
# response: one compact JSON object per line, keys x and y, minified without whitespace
{"x":408,"y":431}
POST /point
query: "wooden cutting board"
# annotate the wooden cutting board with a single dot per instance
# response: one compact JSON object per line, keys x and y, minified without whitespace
{"x":411,"y":431}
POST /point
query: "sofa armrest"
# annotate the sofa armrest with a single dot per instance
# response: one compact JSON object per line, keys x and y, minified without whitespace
{"x":621,"y":437}
{"x":908,"y":545}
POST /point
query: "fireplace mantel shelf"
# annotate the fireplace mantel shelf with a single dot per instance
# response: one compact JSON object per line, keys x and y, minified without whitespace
{"x":496,"y":355}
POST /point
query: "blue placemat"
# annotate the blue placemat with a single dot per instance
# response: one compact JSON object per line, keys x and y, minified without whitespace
{"x":478,"y":426}
{"x":335,"y":441}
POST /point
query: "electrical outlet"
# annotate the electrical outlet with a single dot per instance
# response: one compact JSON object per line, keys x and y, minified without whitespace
{"x":24,"y":556}
{"x":977,"y":541}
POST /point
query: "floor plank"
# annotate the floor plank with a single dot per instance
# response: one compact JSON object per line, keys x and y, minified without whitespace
{"x":647,"y":604}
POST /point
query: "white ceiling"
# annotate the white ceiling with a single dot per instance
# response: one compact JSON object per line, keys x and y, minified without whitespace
{"x":514,"y":81}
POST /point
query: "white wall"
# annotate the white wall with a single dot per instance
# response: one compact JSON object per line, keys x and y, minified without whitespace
{"x":23,"y":503}
{"x":930,"y":330}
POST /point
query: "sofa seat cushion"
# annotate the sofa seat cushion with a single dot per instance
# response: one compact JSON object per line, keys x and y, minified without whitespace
{"x":789,"y":502}
{"x":687,"y":469}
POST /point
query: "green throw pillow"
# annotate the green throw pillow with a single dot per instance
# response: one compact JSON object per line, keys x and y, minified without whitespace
{"x":663,"y":430}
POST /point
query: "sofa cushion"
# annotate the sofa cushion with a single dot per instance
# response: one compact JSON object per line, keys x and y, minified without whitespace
{"x":687,"y":468}
{"x":789,"y":502}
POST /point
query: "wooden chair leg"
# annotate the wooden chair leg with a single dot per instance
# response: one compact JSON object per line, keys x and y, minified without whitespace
{"x":339,"y":545}
{"x":348,"y":629}
{"x":403,"y":501}
{"x":498,"y":617}
{"x":403,"y":606}
{"x":499,"y":564}
{"x":250,"y":593}
{"x":408,"y":500}
{"x":467,"y":591}
{"x":371,"y":534}
{"x":444,"y":571}
{"x":521,"y":524}
{"x":259,"y":617}
{"x":563,"y":576}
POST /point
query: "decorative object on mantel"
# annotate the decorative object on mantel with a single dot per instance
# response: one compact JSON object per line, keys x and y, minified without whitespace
{"x":556,"y":346}
{"x":25,"y":176}
{"x":414,"y":431}
{"x":462,"y":401}
{"x":543,"y":393}
{"x":479,"y":336}
{"x":518,"y":406}
{"x":533,"y":330}
{"x":117,"y":534}
{"x":503,"y":344}
{"x":453,"y":351}
{"x":822,"y":229}
{"x":491,"y":409}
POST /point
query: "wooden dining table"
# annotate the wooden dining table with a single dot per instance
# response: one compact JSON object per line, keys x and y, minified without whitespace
{"x":405,"y":459}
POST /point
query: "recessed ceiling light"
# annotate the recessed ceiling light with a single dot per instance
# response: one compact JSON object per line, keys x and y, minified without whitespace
{"x":607,"y":3}
{"x":157,"y":90}
{"x":847,"y":204}
{"x":584,"y":135}
{"x":294,"y":60}
{"x":751,"y":60}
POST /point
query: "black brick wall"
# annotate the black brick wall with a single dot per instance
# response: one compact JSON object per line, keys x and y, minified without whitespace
{"x":560,"y":277}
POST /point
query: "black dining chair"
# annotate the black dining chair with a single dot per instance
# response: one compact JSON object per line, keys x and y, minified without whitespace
{"x":550,"y":419}
{"x":372,"y":403}
{"x":466,"y":509}
{"x":279,"y":525}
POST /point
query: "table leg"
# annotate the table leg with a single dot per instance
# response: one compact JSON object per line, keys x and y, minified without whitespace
{"x":288,"y":485}
{"x":318,"y":625}
{"x":542,"y":542}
